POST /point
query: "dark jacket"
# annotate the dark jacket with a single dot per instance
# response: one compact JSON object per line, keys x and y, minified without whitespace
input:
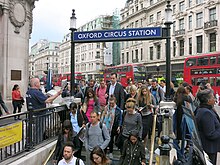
{"x":117,"y":121}
{"x":179,"y":114}
{"x":132,"y":154}
{"x":58,"y":153}
{"x":118,"y":93}
{"x":81,"y":118}
{"x":208,"y":123}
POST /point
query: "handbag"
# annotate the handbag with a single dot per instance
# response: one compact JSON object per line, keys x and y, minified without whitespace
{"x":119,"y":141}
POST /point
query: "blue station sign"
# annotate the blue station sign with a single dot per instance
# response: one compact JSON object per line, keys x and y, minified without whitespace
{"x":119,"y":34}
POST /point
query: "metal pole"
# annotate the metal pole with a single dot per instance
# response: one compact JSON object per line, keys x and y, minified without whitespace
{"x":72,"y":62}
{"x":168,"y":64}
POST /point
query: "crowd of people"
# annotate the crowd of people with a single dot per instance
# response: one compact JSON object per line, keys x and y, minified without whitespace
{"x":110,"y":114}
{"x":124,"y":117}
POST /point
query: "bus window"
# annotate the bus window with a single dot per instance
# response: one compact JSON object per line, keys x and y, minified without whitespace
{"x":191,"y":62}
{"x":193,"y":81}
{"x":217,"y":81}
{"x":212,"y":60}
{"x":203,"y":61}
{"x":218,"y":59}
{"x":124,"y":69}
{"x":212,"y":81}
{"x":129,"y":68}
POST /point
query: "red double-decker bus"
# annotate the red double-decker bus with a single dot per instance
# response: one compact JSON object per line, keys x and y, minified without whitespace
{"x":67,"y":76}
{"x":126,"y":73}
{"x":203,"y":68}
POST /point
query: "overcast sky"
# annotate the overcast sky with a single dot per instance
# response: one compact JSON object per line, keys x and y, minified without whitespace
{"x":51,"y":17}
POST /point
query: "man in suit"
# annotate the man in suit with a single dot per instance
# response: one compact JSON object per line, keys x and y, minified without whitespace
{"x":116,"y":89}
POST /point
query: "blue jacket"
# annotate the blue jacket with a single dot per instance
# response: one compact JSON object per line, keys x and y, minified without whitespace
{"x":208,"y":123}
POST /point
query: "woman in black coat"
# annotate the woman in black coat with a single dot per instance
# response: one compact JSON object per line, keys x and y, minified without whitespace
{"x":133,"y":151}
{"x":208,"y":123}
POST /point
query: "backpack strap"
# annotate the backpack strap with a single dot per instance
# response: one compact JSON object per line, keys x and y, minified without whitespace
{"x":100,"y":126}
{"x":77,"y":161}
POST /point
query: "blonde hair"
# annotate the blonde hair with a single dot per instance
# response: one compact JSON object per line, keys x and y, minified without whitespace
{"x":133,"y":88}
{"x":130,"y":103}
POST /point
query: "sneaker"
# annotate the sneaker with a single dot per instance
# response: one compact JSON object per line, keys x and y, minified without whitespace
{"x":110,"y":156}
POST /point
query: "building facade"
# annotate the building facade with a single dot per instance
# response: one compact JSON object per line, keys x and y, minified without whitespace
{"x":65,"y":54}
{"x":16,"y":19}
{"x":91,"y":58}
{"x":195,"y":30}
{"x":43,"y":56}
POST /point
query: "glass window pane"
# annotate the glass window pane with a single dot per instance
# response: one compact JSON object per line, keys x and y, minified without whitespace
{"x":212,"y":81}
{"x":203,"y":61}
{"x":191,"y":62}
{"x":212,"y":60}
{"x":217,"y":81}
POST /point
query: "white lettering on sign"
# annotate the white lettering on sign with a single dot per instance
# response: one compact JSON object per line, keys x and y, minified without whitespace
{"x":142,"y":32}
{"x":115,"y":34}
{"x":90,"y":35}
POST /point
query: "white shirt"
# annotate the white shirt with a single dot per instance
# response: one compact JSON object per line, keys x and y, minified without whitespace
{"x":72,"y":162}
{"x":112,"y":89}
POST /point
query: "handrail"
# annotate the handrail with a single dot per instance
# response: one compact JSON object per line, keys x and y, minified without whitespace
{"x":49,"y":156}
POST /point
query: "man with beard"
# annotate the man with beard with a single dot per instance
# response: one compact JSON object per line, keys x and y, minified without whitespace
{"x":68,"y":157}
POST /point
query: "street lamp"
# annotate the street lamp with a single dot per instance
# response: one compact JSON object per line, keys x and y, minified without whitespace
{"x":72,"y":29}
{"x":167,"y":23}
{"x":158,"y":70}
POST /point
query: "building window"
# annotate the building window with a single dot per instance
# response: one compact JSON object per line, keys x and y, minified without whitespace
{"x":98,"y":45}
{"x":174,"y":48}
{"x":212,"y":38}
{"x":199,"y":44}
{"x":97,"y":54}
{"x":190,"y":22}
{"x":212,"y":14}
{"x":190,"y":3}
{"x":158,"y":51}
{"x":174,"y":9}
{"x":136,"y":23}
{"x":181,"y":47}
{"x":141,"y":53}
{"x":151,"y":53}
{"x":151,"y":2}
{"x":181,"y":24}
{"x":199,"y":20}
{"x":174,"y":26}
{"x":199,"y":1}
{"x":122,"y":58}
{"x":190,"y":46}
{"x":151,"y":18}
{"x":132,"y":55}
{"x":136,"y":8}
{"x":136,"y":54}
{"x":181,"y":6}
{"x":127,"y":54}
{"x":158,"y":15}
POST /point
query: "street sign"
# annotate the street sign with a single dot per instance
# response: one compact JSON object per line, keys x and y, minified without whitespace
{"x":147,"y":33}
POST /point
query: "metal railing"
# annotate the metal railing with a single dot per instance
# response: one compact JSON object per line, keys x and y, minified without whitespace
{"x":37,"y":126}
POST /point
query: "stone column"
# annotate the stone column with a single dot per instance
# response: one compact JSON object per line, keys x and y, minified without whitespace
{"x":15,"y":30}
